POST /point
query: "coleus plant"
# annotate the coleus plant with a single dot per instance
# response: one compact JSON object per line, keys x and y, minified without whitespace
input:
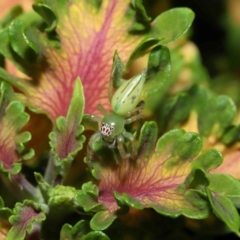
{"x":61,"y":60}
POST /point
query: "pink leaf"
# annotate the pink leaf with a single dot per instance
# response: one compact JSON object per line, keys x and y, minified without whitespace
{"x":88,"y":40}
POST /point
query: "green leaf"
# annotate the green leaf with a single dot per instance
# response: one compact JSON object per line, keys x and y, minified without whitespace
{"x":171,"y":25}
{"x":9,"y":78}
{"x":176,"y":110}
{"x":24,"y":137}
{"x":200,"y":203}
{"x":124,"y":200}
{"x":140,"y":11}
{"x":88,"y":203}
{"x":216,"y":115}
{"x":35,"y":41}
{"x":159,"y":67}
{"x":48,"y":14}
{"x":63,"y":196}
{"x":121,"y":202}
{"x":225,"y":210}
{"x":196,"y":180}
{"x":87,"y":198}
{"x":81,"y":230}
{"x":17,"y":38}
{"x":21,"y":64}
{"x":24,"y":217}
{"x":91,"y":189}
{"x":159,"y":58}
{"x":6,"y":93}
{"x":168,"y":139}
{"x":188,"y":146}
{"x":141,"y":49}
{"x":5,"y":212}
{"x":77,"y":104}
{"x":102,"y":220}
{"x":225,"y":185}
{"x":138,"y":27}
{"x":208,"y":160}
{"x":147,"y":139}
{"x":78,"y":231}
{"x":180,"y":145}
{"x":142,"y":22}
{"x":116,"y":74}
{"x":231,"y":135}
{"x":96,"y":235}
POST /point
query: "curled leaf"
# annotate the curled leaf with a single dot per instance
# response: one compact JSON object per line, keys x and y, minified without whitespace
{"x":12,"y":119}
{"x":24,"y":217}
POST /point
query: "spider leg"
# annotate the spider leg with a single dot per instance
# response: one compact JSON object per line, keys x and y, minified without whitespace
{"x":131,"y":118}
{"x":96,"y":118}
{"x":102,"y":109}
{"x":112,"y":145}
{"x":139,"y":108}
{"x":129,"y":136}
{"x":95,"y":137}
{"x":120,"y":141}
{"x":108,"y":143}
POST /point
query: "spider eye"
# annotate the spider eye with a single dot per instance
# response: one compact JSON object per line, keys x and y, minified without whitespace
{"x":106,"y":129}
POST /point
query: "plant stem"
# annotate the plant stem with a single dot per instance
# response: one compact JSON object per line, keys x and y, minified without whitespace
{"x":24,"y":184}
{"x":49,"y":173}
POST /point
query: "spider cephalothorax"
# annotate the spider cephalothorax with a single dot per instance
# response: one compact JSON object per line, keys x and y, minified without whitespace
{"x":126,"y":109}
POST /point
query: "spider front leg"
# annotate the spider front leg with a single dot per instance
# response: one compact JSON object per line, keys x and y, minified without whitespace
{"x":131,"y":118}
{"x":94,"y":122}
{"x":95,"y":137}
{"x":130,"y":137}
{"x":96,"y":118}
{"x":120,"y":146}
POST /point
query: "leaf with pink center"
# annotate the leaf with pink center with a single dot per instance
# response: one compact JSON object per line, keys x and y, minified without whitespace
{"x":12,"y":119}
{"x":66,"y":139}
{"x":88,"y":36}
{"x":24,"y":216}
{"x":160,"y":177}
{"x":155,"y":181}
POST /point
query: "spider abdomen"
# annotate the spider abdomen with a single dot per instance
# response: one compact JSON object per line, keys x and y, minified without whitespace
{"x":127,"y":96}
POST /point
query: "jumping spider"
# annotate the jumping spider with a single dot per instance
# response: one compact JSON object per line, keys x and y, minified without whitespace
{"x":126,"y":109}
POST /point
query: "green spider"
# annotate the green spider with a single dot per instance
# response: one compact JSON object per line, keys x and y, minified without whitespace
{"x":126,"y":109}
